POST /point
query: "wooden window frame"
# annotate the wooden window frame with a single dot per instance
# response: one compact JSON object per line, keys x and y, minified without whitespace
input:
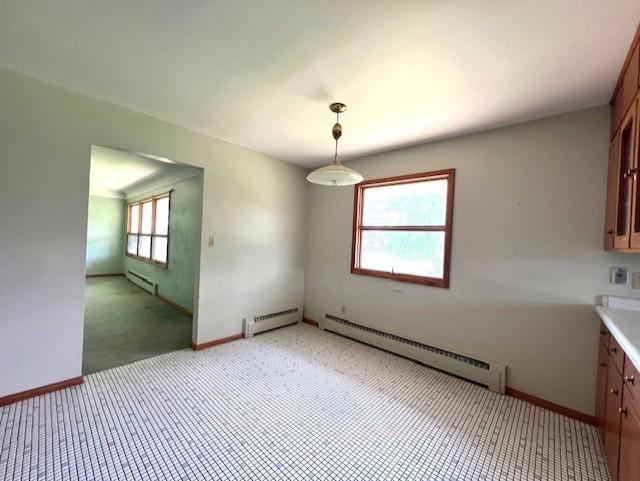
{"x":358,"y":228}
{"x":153,"y":199}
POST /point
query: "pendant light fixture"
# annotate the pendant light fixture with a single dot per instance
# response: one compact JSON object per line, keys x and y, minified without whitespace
{"x":335,"y":173}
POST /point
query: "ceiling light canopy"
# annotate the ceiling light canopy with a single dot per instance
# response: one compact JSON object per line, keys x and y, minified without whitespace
{"x":335,"y":173}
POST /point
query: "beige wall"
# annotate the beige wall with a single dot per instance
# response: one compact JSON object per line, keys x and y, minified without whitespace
{"x":253,"y":205}
{"x":527,"y":258}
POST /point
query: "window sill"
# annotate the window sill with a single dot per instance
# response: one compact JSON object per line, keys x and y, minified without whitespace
{"x":425,"y":281}
{"x":162,"y":265}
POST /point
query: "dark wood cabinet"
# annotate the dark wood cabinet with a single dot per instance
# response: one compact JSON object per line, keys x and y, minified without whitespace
{"x":622,"y":222}
{"x":613,"y":403}
{"x":618,"y":409}
{"x":612,"y":192}
{"x":629,"y":466}
{"x":601,"y":390}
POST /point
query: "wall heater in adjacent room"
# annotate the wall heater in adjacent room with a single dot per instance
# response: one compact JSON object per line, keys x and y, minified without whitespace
{"x":488,"y":373}
{"x":266,"y":322}
{"x":144,"y":282}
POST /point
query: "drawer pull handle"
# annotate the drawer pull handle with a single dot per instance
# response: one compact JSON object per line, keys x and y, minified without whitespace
{"x":613,"y":350}
{"x":602,"y":333}
{"x":603,"y":364}
{"x":630,"y":379}
{"x":623,"y":411}
{"x":613,"y":391}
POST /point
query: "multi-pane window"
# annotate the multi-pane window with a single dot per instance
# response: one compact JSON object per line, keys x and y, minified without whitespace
{"x":402,"y":228}
{"x":148,"y":229}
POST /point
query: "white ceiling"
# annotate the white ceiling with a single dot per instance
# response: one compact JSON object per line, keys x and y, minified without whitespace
{"x":119,"y":174}
{"x":261,"y":73}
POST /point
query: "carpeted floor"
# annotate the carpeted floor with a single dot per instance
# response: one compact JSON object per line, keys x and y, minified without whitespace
{"x":292,"y":404}
{"x":124,"y":323}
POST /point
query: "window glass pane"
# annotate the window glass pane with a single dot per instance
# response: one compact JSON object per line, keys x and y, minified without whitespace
{"x":134,"y":219}
{"x":406,"y":252}
{"x":144,"y":247}
{"x":147,"y":211}
{"x":160,"y":249}
{"x":417,"y":203}
{"x":162,"y":216}
{"x":132,"y":244}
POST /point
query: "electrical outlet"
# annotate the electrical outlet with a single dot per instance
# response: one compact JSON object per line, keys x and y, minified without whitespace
{"x":618,"y":275}
{"x":635,"y":280}
{"x":343,"y":309}
{"x":211,"y":242}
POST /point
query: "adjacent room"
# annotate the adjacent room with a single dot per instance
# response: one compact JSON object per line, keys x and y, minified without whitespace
{"x":313,"y":240}
{"x":143,"y":246}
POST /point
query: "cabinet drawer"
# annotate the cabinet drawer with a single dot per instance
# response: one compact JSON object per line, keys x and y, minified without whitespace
{"x":632,"y":381}
{"x":616,"y":353}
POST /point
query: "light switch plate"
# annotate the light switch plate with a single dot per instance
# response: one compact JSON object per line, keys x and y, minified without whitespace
{"x":635,"y":280}
{"x":618,"y":275}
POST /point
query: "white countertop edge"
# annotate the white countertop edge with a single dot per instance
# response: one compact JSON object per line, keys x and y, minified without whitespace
{"x":632,"y":351}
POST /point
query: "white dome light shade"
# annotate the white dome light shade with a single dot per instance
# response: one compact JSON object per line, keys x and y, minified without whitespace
{"x":335,"y":174}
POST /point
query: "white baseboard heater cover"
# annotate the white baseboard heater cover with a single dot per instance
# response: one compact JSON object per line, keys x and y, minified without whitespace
{"x":488,"y":373}
{"x":142,"y":281}
{"x":266,"y":322}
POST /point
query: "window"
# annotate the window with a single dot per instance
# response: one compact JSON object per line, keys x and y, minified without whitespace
{"x":148,"y":229}
{"x":402,"y":228}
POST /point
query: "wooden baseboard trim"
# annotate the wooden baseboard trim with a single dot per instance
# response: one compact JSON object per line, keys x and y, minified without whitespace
{"x":310,"y":321}
{"x":175,"y":305}
{"x":216,"y":342}
{"x":543,"y":403}
{"x":39,"y":391}
{"x":111,"y":274}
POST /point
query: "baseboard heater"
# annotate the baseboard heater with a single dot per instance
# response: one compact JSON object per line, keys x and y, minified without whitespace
{"x":266,"y":322}
{"x":144,"y":282}
{"x":487,"y":373}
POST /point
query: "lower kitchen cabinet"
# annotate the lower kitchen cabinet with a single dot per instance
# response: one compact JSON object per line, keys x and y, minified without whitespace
{"x":629,"y":465}
{"x":618,"y":409}
{"x":613,"y":403}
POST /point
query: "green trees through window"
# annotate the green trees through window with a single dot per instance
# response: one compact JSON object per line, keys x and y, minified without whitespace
{"x":402,"y":228}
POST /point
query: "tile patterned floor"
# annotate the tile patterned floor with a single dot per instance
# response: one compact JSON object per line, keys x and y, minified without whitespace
{"x":292,"y":404}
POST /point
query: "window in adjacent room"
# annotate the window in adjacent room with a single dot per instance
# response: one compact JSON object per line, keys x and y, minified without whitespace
{"x":402,"y":228}
{"x":148,"y":229}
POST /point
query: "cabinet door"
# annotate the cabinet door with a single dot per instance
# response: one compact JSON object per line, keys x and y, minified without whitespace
{"x":612,"y":192}
{"x":601,"y":389}
{"x":616,"y":110}
{"x":630,"y":79}
{"x":626,"y":175}
{"x":629,"y":469}
{"x":613,"y":404}
{"x":634,"y":241}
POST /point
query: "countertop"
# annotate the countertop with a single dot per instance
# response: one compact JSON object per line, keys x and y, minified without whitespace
{"x":624,"y":325}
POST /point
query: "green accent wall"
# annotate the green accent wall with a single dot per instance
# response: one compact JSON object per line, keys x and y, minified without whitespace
{"x":176,"y":282}
{"x":105,"y":235}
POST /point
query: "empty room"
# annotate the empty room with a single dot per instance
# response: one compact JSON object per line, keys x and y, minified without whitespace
{"x":143,"y":231}
{"x":303,"y":240}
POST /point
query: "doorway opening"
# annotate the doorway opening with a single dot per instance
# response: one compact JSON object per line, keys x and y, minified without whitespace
{"x":143,"y":252}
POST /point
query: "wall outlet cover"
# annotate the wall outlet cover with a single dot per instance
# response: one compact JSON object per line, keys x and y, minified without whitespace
{"x":635,"y":280}
{"x":618,"y":275}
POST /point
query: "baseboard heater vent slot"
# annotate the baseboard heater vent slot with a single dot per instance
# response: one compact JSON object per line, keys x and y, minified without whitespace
{"x":144,"y":282}
{"x":488,"y":373}
{"x":266,"y":322}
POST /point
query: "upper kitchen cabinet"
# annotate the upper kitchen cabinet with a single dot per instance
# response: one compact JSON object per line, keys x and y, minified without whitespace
{"x":622,"y":222}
